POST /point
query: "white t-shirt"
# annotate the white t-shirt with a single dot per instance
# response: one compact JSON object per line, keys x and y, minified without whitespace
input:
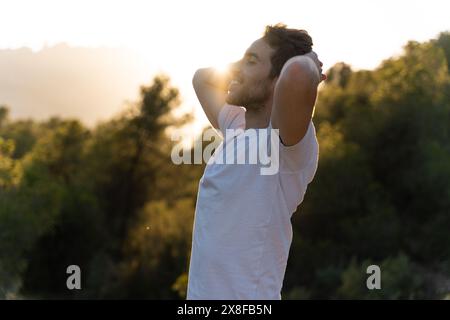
{"x":242,"y":227}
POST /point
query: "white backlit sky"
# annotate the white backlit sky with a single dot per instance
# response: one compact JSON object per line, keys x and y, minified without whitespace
{"x":177,"y":37}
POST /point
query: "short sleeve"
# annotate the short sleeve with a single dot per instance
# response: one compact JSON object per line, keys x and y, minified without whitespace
{"x":231,"y":117}
{"x":302,"y":155}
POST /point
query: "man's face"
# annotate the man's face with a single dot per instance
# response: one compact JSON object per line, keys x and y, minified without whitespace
{"x":251,"y":86}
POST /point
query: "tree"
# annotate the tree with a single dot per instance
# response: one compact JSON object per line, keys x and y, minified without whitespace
{"x":382,"y":186}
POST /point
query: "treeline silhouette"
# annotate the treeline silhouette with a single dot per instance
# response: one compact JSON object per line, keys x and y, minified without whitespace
{"x":111,"y":201}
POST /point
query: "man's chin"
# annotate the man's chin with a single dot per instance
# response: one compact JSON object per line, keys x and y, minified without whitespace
{"x":231,"y":99}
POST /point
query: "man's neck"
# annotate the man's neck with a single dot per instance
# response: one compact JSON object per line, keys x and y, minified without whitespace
{"x":258,"y":117}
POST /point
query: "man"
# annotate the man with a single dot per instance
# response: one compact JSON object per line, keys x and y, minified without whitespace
{"x":242,"y":229}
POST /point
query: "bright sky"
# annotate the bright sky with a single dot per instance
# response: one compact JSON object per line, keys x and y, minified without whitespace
{"x":178,"y":37}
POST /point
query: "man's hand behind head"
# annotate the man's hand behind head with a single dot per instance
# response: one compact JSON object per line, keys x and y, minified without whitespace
{"x":314,"y":57}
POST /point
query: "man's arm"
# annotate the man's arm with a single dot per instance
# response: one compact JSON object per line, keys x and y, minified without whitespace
{"x":294,"y":98}
{"x":211,"y":88}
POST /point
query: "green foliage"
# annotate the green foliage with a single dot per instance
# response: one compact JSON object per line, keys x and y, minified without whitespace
{"x":9,"y":167}
{"x":158,"y":250}
{"x":383,"y":181}
{"x":75,"y":196}
{"x":111,"y":201}
{"x":400,"y":280}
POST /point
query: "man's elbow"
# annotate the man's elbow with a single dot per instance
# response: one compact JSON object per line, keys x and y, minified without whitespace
{"x":300,"y":69}
{"x":196,"y":77}
{"x":201,"y":74}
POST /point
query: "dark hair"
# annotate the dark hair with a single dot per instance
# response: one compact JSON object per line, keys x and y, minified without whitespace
{"x":287,"y":44}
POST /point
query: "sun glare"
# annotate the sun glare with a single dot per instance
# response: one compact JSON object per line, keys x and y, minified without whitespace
{"x":222,"y":67}
{"x":177,"y":37}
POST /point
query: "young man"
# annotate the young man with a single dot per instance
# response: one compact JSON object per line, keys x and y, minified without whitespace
{"x":242,"y":229}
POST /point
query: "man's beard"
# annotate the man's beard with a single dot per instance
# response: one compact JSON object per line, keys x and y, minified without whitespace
{"x":250,"y":96}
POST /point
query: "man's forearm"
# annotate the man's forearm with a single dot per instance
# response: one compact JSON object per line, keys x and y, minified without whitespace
{"x":212,"y":77}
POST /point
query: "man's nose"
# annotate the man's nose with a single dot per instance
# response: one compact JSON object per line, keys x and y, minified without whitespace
{"x":234,"y":67}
